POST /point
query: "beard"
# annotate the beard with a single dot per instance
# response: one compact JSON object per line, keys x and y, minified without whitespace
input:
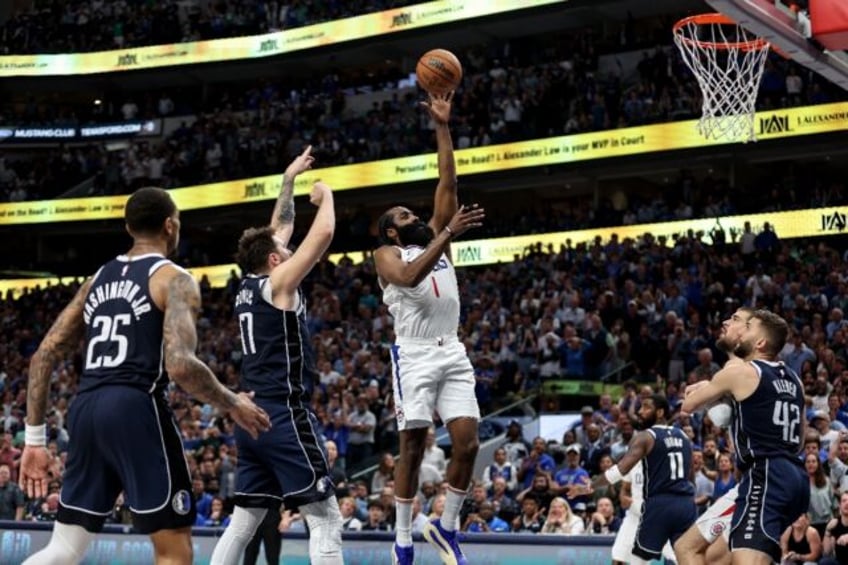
{"x":417,"y":233}
{"x":643,"y":424}
{"x":743,"y":349}
{"x":725,"y":343}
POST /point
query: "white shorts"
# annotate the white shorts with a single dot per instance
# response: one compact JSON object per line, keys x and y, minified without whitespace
{"x":622,"y":548}
{"x":432,"y":374}
{"x":715,"y":521}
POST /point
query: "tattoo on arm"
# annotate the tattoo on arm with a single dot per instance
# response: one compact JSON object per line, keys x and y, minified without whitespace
{"x":61,"y":340}
{"x":181,"y":344}
{"x":284,"y":208}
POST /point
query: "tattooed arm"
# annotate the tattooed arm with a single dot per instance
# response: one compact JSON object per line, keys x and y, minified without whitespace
{"x":180,"y":333}
{"x":183,"y":366}
{"x":282,"y":219}
{"x":61,"y":340}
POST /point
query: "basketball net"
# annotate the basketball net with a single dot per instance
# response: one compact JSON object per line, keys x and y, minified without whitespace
{"x":728,"y":62}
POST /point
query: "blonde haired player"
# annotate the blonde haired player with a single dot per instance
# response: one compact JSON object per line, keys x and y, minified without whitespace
{"x":431,"y":370}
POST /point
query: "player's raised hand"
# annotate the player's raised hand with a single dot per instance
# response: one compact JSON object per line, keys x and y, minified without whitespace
{"x":466,"y":217}
{"x":34,"y":471}
{"x":250,"y":416}
{"x":301,"y":163}
{"x":319,"y":191}
{"x":439,"y":106}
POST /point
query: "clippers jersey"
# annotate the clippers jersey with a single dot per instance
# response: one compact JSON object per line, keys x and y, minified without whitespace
{"x":430,"y":309}
{"x":278,"y":362}
{"x":767,"y":424}
{"x":666,"y":467}
{"x":636,"y":478}
{"x":123,"y":327}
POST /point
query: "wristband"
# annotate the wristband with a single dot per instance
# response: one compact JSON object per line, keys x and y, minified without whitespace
{"x":450,"y":231}
{"x":613,"y":475}
{"x":35,"y":436}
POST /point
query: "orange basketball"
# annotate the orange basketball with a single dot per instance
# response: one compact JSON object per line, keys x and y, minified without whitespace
{"x":439,"y":71}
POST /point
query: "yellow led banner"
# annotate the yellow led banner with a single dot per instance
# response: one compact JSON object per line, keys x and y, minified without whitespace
{"x":809,"y":120}
{"x":266,"y":45}
{"x":787,"y":225}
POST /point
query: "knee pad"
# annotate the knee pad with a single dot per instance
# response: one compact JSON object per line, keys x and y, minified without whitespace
{"x":243,"y":525}
{"x":325,"y":531}
{"x":67,"y":545}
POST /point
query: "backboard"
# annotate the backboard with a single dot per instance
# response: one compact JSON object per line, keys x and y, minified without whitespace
{"x":791,"y":31}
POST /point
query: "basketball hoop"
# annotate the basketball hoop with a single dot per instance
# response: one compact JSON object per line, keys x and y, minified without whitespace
{"x":728,"y":62}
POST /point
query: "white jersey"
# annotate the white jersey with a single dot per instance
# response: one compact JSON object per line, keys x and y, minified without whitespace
{"x":430,"y":309}
{"x":636,"y":478}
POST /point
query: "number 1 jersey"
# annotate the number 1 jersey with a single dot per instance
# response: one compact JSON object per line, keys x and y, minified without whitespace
{"x":430,"y":309}
{"x":123,"y":327}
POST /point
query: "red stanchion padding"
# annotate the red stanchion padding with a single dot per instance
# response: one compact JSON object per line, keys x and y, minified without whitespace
{"x":829,"y":20}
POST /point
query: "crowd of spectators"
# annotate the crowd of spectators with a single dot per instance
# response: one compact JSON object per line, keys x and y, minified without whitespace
{"x":648,"y":310}
{"x":525,"y":89}
{"x":73,"y":26}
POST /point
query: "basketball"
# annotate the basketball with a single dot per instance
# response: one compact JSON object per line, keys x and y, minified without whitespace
{"x":438,"y":71}
{"x":721,"y":414}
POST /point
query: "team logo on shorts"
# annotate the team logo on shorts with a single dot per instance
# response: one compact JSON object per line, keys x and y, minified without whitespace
{"x":717,"y":528}
{"x":181,"y":502}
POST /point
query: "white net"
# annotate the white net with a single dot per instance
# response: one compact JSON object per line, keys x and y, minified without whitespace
{"x":728,"y":62}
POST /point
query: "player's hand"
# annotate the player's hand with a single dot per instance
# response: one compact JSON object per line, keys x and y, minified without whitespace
{"x":301,"y":163}
{"x":695,"y":387}
{"x":439,"y":107}
{"x":249,"y":416}
{"x":34,"y":474}
{"x":842,"y":540}
{"x":319,"y":191}
{"x":466,"y":217}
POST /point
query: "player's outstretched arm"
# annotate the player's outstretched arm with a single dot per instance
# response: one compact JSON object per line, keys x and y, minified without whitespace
{"x":641,"y":444}
{"x":61,"y":339}
{"x":282,"y":218}
{"x":183,"y":366}
{"x":732,"y":380}
{"x":394,"y":270}
{"x":446,"y":203}
{"x":287,"y":276}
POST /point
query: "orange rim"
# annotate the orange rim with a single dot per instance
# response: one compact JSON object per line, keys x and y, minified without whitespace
{"x":715,"y":19}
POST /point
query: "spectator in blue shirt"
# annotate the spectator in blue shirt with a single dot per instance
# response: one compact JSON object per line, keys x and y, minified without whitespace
{"x":202,"y":499}
{"x":725,"y":480}
{"x":572,"y":356}
{"x":485,"y":520}
{"x":217,"y":517}
{"x":537,"y":460}
{"x":796,"y":353}
{"x":572,"y":473}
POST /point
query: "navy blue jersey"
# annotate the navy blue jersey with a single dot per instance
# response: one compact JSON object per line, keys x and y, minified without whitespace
{"x":278,"y":362}
{"x":123,"y":327}
{"x":667,"y":465}
{"x":767,"y":424}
